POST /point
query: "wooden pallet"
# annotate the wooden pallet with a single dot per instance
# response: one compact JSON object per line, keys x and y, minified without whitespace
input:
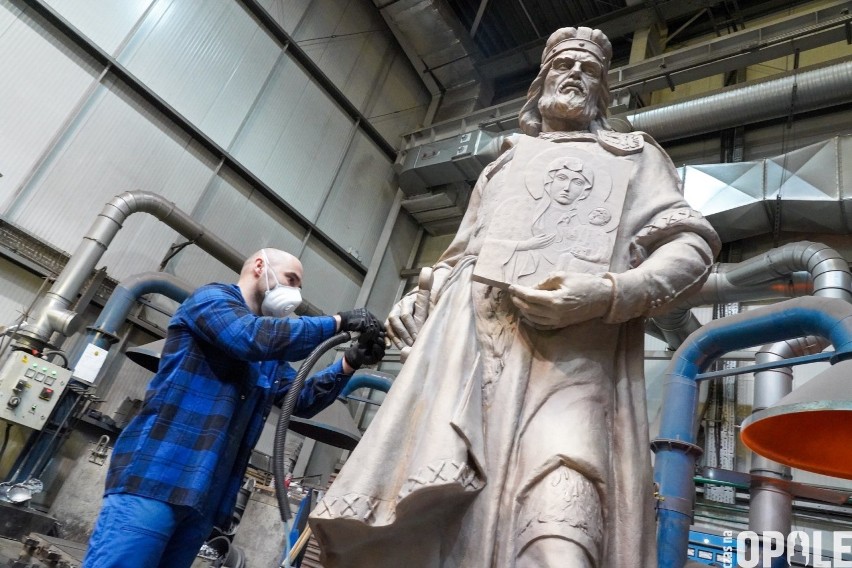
{"x":312,"y":555}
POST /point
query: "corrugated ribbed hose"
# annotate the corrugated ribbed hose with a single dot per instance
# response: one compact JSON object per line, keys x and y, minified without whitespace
{"x":279,"y":462}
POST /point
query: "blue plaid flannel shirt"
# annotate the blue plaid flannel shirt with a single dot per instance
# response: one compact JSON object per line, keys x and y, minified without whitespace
{"x":222,"y":367}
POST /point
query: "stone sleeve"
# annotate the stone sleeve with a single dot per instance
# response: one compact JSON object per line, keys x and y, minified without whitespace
{"x":672,"y":257}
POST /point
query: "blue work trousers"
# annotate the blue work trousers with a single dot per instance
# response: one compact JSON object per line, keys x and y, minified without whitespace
{"x":137,"y":532}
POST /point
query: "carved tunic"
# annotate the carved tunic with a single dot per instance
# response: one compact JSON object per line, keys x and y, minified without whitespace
{"x":487,"y":407}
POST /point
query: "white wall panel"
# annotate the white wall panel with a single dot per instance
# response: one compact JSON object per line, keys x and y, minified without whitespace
{"x":359,"y":203}
{"x":208,"y":60}
{"x":350,"y":42}
{"x":399,"y":103}
{"x":356,"y":64}
{"x":325,"y":18}
{"x":383,"y":295}
{"x":117,"y":145}
{"x":288,"y":13}
{"x":18,"y":288}
{"x":241,"y":217}
{"x":294,"y":138}
{"x":105,"y":22}
{"x":9,"y":15}
{"x":329,"y":283}
{"x":42,"y":82}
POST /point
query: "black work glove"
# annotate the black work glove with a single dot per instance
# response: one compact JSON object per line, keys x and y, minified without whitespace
{"x":367,"y":350}
{"x":359,"y":320}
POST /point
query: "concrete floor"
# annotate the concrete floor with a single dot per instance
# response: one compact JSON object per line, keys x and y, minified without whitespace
{"x":11,"y":550}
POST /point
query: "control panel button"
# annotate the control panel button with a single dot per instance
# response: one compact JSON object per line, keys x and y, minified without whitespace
{"x":46,"y":393}
{"x":49,"y":380}
{"x":13,"y":401}
{"x":29,"y":373}
{"x":39,"y":377}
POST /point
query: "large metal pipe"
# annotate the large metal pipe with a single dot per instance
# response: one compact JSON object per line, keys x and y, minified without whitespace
{"x":795,"y":269}
{"x":51,"y":313}
{"x":774,"y":97}
{"x":675,"y":448}
{"x":792,"y":270}
{"x":676,"y":324}
{"x":828,"y":269}
{"x":770,"y":506}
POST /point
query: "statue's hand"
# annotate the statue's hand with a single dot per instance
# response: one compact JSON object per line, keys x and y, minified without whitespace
{"x":537,"y":242}
{"x":410,"y":313}
{"x":563,"y":299}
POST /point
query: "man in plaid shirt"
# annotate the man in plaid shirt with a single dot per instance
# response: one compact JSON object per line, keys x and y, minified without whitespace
{"x":177,"y":467}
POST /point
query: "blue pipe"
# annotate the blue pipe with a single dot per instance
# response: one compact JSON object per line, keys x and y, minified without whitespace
{"x":104,"y":331}
{"x":675,"y":448}
{"x":366,"y":379}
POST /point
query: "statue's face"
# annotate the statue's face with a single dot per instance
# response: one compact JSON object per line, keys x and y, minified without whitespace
{"x":572,"y":87}
{"x":567,"y":186}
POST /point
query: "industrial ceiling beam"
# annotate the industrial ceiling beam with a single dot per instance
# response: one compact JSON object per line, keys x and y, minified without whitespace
{"x":483,"y":4}
{"x":618,"y":23}
{"x":685,"y":25}
{"x":529,"y":18}
{"x":719,"y":55}
{"x":735,"y":51}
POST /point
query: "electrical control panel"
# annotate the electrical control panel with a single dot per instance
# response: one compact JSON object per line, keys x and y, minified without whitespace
{"x":29,"y":389}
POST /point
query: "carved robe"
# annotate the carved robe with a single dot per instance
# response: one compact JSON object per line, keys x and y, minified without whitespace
{"x":487,"y":407}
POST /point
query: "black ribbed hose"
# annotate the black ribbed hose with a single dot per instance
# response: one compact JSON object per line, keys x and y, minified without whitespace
{"x":279,"y":465}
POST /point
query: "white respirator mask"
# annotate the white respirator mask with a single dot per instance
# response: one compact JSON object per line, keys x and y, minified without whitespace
{"x":279,"y":301}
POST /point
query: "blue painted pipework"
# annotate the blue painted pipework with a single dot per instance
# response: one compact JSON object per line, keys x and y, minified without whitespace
{"x":105,"y":329}
{"x":675,"y":447}
{"x":366,"y":379}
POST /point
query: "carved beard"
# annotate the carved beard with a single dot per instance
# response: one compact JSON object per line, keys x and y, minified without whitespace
{"x":572,"y":106}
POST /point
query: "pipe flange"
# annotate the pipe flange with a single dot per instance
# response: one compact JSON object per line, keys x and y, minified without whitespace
{"x":108,"y":335}
{"x":680,"y":505}
{"x":678,"y":445}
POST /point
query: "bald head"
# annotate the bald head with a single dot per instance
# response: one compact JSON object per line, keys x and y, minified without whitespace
{"x":254,"y":280}
{"x":278,"y":259}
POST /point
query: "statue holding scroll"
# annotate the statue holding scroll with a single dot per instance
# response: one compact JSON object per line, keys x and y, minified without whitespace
{"x":516,"y":433}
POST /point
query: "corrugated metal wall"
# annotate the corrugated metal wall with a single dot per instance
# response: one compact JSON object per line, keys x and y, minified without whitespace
{"x":74,"y":134}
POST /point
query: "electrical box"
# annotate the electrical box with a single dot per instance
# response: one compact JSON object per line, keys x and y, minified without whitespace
{"x":29,"y":389}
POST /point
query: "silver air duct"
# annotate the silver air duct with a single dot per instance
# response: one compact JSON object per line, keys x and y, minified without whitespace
{"x":796,"y":269}
{"x":771,"y":502}
{"x":815,"y":88}
{"x":51,"y":313}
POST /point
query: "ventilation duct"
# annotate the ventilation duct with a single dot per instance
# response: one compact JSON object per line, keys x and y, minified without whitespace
{"x":52,"y":313}
{"x":755,"y":101}
{"x":439,"y":211}
{"x":796,"y":269}
{"x":735,"y":197}
{"x":741,"y":199}
{"x":440,"y":49}
{"x":457,"y":159}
